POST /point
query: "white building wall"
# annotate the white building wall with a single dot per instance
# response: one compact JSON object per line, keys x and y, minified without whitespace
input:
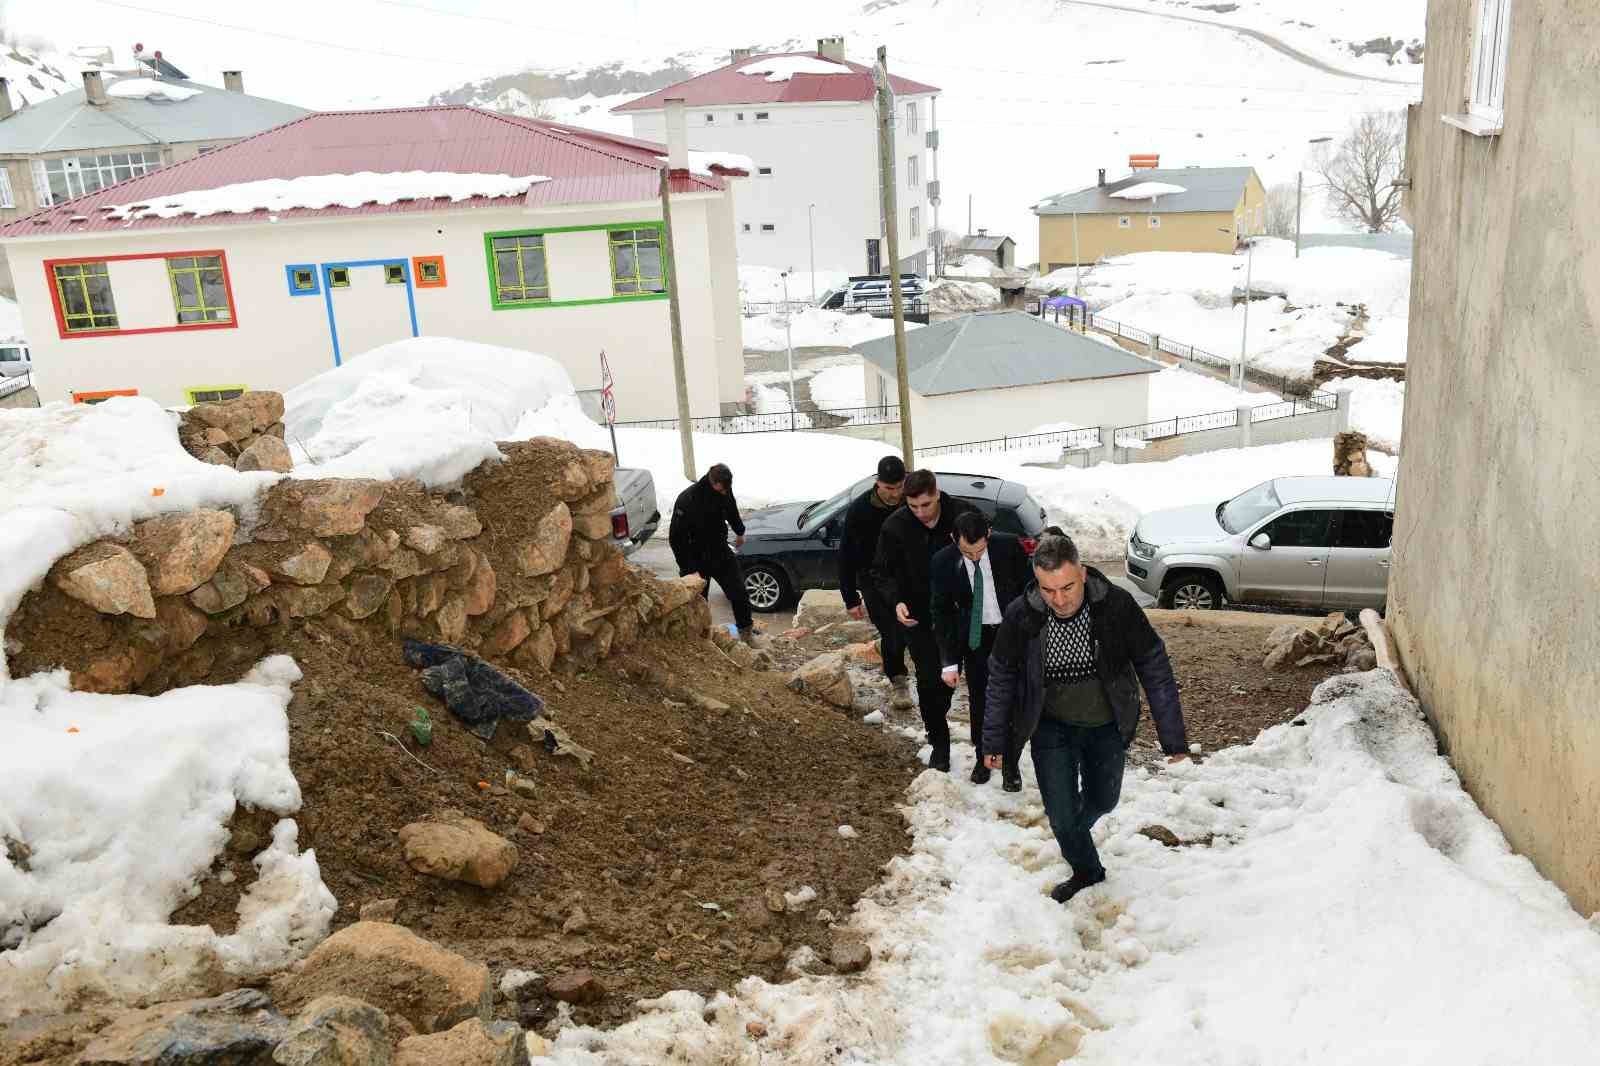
{"x":822,"y":154}
{"x":991,"y":413}
{"x":282,"y":339}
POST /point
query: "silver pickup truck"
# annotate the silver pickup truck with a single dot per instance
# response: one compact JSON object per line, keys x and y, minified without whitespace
{"x":635,"y":518}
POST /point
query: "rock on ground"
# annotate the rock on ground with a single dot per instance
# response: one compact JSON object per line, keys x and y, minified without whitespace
{"x":108,"y":578}
{"x":240,"y":1027}
{"x":472,"y":1043}
{"x":457,"y":848}
{"x":827,"y":678}
{"x":819,"y":607}
{"x":337,"y":1031}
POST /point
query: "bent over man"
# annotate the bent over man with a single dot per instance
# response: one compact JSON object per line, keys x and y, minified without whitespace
{"x":1067,"y":666}
{"x":701,"y":518}
{"x":857,"y":548}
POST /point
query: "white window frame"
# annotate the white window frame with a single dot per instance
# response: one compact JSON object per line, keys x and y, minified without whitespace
{"x":1484,"y":94}
{"x":916,"y":222}
{"x":6,"y":197}
{"x":913,"y":172}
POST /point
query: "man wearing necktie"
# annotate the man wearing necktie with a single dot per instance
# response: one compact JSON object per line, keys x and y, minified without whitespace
{"x":973,"y":581}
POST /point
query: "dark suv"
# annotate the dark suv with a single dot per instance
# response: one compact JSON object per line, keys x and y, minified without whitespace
{"x":795,"y":547}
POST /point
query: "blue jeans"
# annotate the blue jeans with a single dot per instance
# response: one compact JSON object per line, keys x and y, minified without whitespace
{"x":1080,"y":778}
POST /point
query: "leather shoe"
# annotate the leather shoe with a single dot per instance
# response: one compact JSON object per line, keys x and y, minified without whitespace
{"x":1012,"y":784}
{"x":940,"y":760}
{"x":980,"y":774}
{"x":1075,"y":884}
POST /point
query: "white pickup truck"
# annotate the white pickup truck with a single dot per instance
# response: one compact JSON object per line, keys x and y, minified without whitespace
{"x":635,"y":518}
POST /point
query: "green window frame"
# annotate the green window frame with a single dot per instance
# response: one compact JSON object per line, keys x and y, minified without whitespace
{"x":199,"y":289}
{"x":637,"y":265}
{"x":520,"y":268}
{"x":84,"y":292}
{"x":394,"y":274}
{"x":338,"y":277}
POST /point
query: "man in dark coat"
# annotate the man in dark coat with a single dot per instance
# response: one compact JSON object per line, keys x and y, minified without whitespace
{"x":907,"y":544}
{"x":701,"y":519}
{"x":973,"y":581}
{"x":1066,"y":671}
{"x":857,"y":548}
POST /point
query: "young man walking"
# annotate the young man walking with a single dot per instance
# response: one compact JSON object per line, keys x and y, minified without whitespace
{"x":701,"y":518}
{"x":906,"y":546}
{"x":973,"y":581}
{"x":858,"y":546}
{"x":1067,"y":667}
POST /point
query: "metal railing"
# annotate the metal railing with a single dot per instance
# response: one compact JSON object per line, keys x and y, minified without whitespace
{"x":768,"y":307}
{"x":1118,"y":329}
{"x":1172,"y":427}
{"x":1316,"y":403}
{"x":1065,"y":440}
{"x":1211,"y":362}
{"x":779,"y":421}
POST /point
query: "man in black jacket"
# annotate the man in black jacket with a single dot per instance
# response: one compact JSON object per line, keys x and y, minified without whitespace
{"x":906,"y":546}
{"x":857,"y":547}
{"x":699,"y":536}
{"x":973,"y":581}
{"x":1067,"y":666}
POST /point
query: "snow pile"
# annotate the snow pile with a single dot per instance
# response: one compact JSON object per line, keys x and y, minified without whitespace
{"x":839,"y":388}
{"x":70,"y":474}
{"x":815,"y":328}
{"x":782,"y":68}
{"x":428,"y":408}
{"x":1282,"y":341}
{"x":1383,"y":340}
{"x":1176,"y":392}
{"x":1148,"y":190}
{"x":769,"y":400}
{"x":762,"y":284}
{"x":121,"y":801}
{"x":316,"y":191}
{"x":149,"y":89}
{"x":1377,"y":408}
{"x":957,"y":297}
{"x":1332,"y":844}
{"x":973,"y":266}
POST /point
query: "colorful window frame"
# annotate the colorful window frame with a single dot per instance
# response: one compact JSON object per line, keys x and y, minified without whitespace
{"x":518,"y":305}
{"x":198,"y":294}
{"x":427,"y":271}
{"x":84,"y":298}
{"x":118,"y":330}
{"x":638,"y":262}
{"x":214,"y":393}
{"x":296,"y":273}
{"x":519,"y":269}
{"x":394,"y":273}
{"x":338,"y":277}
{"x":101,"y":395}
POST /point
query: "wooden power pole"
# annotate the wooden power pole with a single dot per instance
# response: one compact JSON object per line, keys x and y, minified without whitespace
{"x":891,"y":232}
{"x":670,"y":265}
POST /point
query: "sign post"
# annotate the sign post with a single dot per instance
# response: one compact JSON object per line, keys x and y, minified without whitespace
{"x":608,"y":403}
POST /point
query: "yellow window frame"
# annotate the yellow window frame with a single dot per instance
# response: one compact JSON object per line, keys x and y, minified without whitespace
{"x":198,"y":305}
{"x":518,"y":243}
{"x":77,"y":275}
{"x":194,"y":390}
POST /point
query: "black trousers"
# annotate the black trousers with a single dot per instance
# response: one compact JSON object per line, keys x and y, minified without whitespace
{"x":730,"y":576}
{"x":976,"y":666}
{"x":892,"y":641}
{"x":1080,"y":779}
{"x":933,"y":695}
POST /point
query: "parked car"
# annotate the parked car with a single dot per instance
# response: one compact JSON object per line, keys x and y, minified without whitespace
{"x":833,"y":299}
{"x":1290,"y":542}
{"x":635,"y":518}
{"x":15,"y":360}
{"x":795,"y":547}
{"x":872,"y":293}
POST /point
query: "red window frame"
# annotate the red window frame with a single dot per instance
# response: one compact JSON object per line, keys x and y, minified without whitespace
{"x":184,"y":327}
{"x":416,"y":271}
{"x":102,"y":394}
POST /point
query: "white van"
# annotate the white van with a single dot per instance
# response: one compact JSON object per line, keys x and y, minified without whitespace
{"x":15,"y":360}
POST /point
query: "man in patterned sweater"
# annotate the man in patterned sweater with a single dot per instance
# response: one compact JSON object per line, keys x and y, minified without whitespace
{"x":1068,"y":663}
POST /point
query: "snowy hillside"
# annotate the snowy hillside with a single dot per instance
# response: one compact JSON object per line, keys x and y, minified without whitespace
{"x":36,"y":74}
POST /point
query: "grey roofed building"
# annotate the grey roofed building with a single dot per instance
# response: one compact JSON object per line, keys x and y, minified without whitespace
{"x":69,"y":122}
{"x":1205,"y":189}
{"x":998,"y":350}
{"x":1001,"y":251}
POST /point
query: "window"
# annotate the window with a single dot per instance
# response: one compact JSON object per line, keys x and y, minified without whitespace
{"x":763,"y":170}
{"x":761,"y":116}
{"x":636,"y":261}
{"x":394,"y":274}
{"x":1124,"y":222}
{"x":710,"y":117}
{"x":10,"y":355}
{"x":913,"y":172}
{"x":747,"y":227}
{"x":338,"y":277}
{"x":302,"y":279}
{"x":84,"y":292}
{"x":199,"y":292}
{"x":1369,"y":530}
{"x":58,"y":180}
{"x":1300,"y":529}
{"x":207,"y":149}
{"x":916,"y":222}
{"x":1490,"y":41}
{"x":427,"y":271}
{"x":521,"y":274}
{"x":1155,"y":221}
{"x":767,"y":227}
{"x":740,"y":116}
{"x":6,"y":199}
{"x":912,"y":122}
{"x":214,"y":393}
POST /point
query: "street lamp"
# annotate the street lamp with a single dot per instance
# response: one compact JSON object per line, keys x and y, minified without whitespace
{"x":788,"y":341}
{"x":811,"y":229}
{"x":1244,"y":334}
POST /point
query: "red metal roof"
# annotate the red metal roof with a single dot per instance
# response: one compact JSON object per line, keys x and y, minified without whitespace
{"x":584,"y":166}
{"x":726,"y":85}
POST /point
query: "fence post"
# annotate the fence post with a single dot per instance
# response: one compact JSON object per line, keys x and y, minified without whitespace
{"x":1108,"y":444}
{"x":1244,"y":414}
{"x":1155,"y":346}
{"x":1341,"y":422}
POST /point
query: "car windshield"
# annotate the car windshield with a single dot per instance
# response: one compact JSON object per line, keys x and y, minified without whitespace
{"x":823,"y":508}
{"x":1248,"y":508}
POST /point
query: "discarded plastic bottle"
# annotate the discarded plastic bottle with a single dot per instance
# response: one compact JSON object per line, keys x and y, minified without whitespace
{"x":422,"y":727}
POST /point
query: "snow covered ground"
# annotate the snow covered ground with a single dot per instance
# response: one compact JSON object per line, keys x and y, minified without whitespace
{"x":762,"y":284}
{"x":1376,"y":408}
{"x":839,"y":388}
{"x":1341,"y":899}
{"x":814,"y":328}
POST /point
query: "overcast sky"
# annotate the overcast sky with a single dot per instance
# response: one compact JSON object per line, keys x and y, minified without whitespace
{"x":331,"y":53}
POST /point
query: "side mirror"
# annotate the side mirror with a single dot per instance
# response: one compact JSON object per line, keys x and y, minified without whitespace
{"x":1261,"y":542}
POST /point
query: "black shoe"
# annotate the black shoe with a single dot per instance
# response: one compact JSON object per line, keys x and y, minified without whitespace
{"x":1075,"y":884}
{"x":1012,"y":784}
{"x":940,"y":761}
{"x":980,"y":774}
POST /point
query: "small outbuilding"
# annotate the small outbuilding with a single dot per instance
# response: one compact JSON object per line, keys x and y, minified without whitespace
{"x":1001,"y":251}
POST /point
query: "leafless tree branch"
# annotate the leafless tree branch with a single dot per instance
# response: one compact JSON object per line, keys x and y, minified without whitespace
{"x":1358,"y":176}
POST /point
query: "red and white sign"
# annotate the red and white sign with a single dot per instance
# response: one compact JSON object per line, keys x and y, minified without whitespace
{"x":608,"y":396}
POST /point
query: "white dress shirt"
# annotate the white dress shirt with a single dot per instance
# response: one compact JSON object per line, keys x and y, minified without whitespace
{"x":991,"y":602}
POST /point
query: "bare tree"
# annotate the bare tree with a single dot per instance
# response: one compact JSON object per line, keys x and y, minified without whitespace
{"x":940,"y":244}
{"x":1359,"y":176}
{"x":1282,"y":203}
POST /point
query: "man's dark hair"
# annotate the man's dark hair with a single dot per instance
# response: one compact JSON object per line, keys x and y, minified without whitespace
{"x":922,"y":483}
{"x":891,"y":470}
{"x":1055,"y":550}
{"x":719,"y":474}
{"x":972,"y":526}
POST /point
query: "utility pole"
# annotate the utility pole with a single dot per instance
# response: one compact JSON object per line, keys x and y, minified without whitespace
{"x":680,"y":377}
{"x":969,"y":214}
{"x":1244,"y":334}
{"x":788,"y":345}
{"x":1077,"y":260}
{"x":892,"y":235}
{"x":811,"y":217}
{"x":1299,"y":181}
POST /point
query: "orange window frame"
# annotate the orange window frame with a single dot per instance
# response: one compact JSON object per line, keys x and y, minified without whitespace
{"x":185,"y":327}
{"x":416,"y":271}
{"x":102,"y":394}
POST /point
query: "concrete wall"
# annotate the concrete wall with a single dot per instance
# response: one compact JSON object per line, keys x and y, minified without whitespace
{"x":282,"y":339}
{"x":822,"y":154}
{"x":1103,"y":235}
{"x":1496,"y":579}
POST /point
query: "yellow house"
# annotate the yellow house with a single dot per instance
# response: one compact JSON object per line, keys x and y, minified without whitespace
{"x":1189,"y":209}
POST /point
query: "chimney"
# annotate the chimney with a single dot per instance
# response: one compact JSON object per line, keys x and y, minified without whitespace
{"x":831,"y":48}
{"x":94,"y":90}
{"x":233,"y":81}
{"x":738,"y":54}
{"x":5,"y":98}
{"x":1102,"y":180}
{"x":677,"y":137}
{"x":982,"y":232}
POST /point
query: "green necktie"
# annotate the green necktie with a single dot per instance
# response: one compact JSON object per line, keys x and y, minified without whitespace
{"x":975,"y":627}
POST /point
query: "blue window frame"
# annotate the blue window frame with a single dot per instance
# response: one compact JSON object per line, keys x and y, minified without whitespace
{"x":304,"y":279}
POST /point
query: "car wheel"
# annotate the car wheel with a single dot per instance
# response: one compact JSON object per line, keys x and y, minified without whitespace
{"x":1194,"y":591}
{"x":766,"y":586}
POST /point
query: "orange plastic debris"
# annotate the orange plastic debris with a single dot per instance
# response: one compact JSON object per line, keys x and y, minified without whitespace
{"x":158,"y":491}
{"x":72,"y":729}
{"x":484,"y":785}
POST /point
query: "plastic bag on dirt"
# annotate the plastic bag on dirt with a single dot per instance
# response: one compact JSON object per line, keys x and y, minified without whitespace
{"x":475,"y":692}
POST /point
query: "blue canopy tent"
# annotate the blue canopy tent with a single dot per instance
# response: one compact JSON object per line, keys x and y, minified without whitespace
{"x":1073,"y":306}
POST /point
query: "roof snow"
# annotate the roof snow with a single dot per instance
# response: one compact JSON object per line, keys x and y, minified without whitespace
{"x":1149,"y":190}
{"x":149,"y":89}
{"x":703,"y":163}
{"x":782,"y":68}
{"x":327,"y":190}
